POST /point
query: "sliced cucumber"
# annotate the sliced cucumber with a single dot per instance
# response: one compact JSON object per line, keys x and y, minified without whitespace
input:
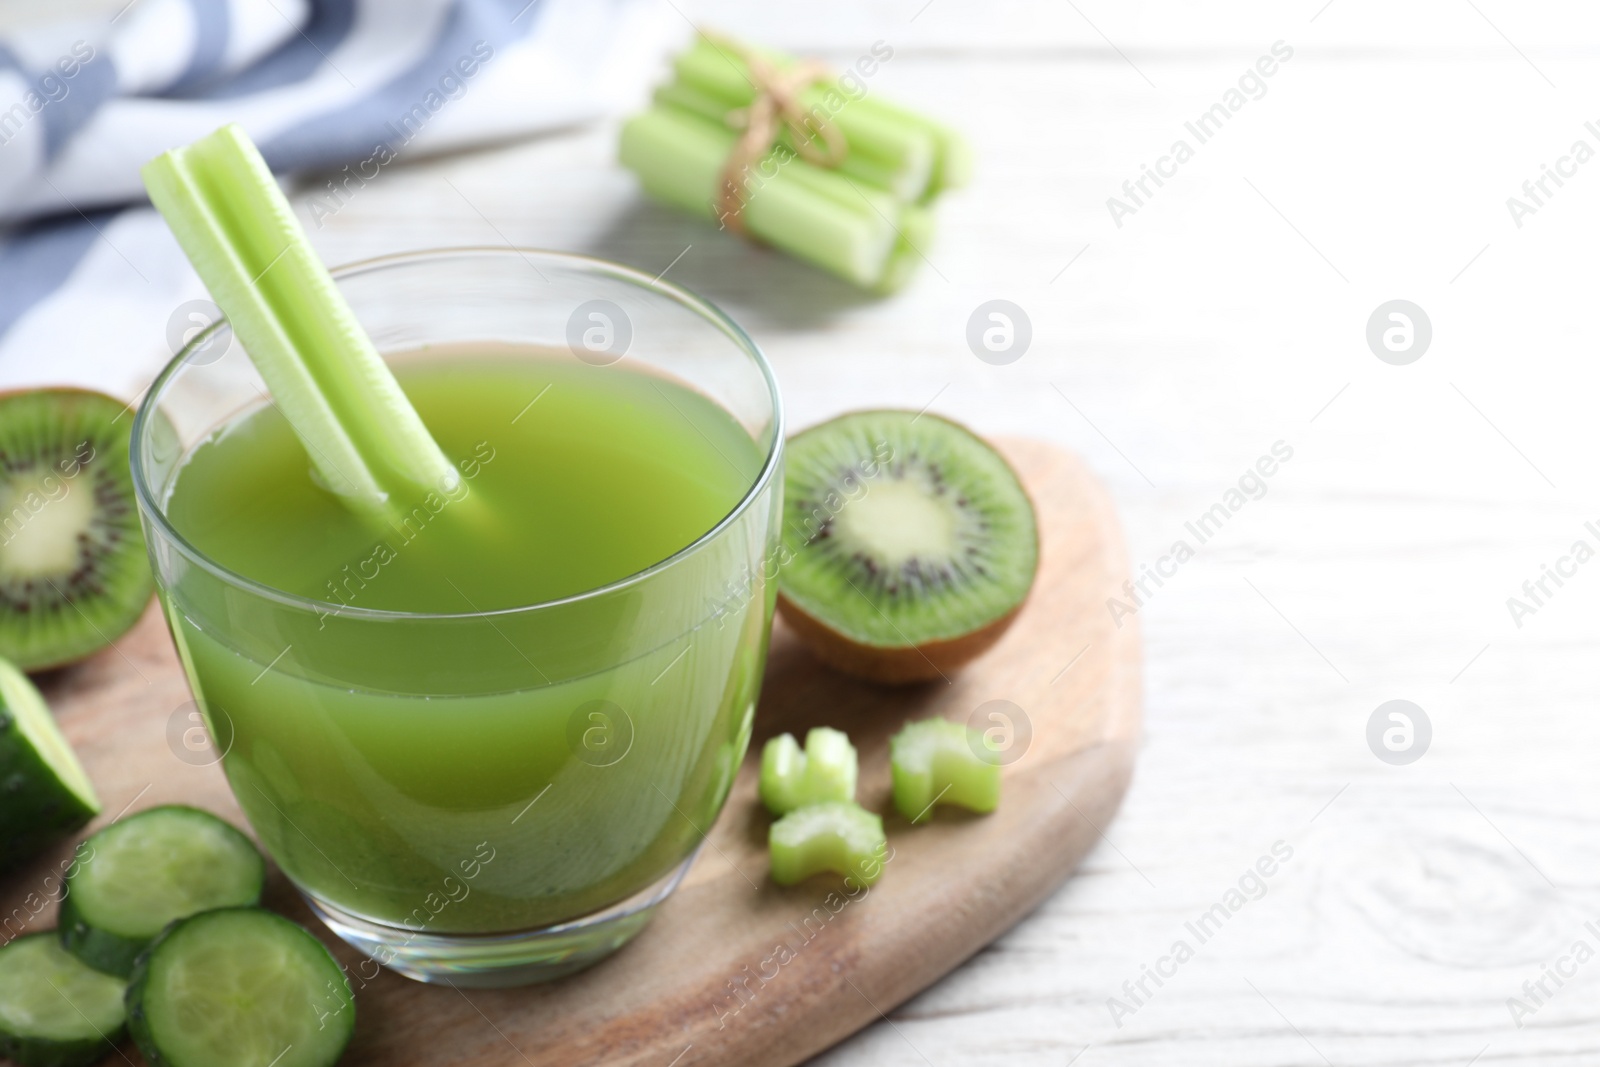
{"x":239,"y":987}
{"x":44,"y":794}
{"x":147,"y":870}
{"x":54,"y":1011}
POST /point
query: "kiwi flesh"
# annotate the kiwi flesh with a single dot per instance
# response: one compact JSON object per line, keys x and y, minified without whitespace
{"x":909,"y":544}
{"x":73,"y":571}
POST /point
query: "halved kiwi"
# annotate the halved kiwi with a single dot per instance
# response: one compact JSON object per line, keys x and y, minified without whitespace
{"x":910,"y":545}
{"x":73,"y":572}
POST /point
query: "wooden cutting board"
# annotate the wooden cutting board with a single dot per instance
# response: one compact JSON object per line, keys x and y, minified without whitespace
{"x":734,"y":969}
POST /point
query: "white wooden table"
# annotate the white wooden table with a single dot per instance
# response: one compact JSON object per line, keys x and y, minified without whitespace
{"x":1226,"y":315}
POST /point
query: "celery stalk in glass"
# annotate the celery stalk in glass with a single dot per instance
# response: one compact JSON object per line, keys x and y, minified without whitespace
{"x":233,"y":222}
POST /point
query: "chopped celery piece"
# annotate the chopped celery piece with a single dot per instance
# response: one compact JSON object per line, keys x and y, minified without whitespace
{"x":938,"y":762}
{"x":792,"y":779}
{"x":362,"y":434}
{"x":783,"y":772}
{"x":839,"y":836}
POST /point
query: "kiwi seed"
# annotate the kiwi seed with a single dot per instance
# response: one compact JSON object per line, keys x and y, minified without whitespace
{"x":910,"y":545}
{"x":73,"y":572}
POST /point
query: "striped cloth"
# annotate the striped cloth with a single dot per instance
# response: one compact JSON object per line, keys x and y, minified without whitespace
{"x":89,"y":275}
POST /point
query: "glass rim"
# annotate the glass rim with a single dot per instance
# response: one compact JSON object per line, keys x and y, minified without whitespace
{"x":708,"y":311}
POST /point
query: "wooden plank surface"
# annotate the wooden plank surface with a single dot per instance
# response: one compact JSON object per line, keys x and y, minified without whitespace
{"x":704,"y":982}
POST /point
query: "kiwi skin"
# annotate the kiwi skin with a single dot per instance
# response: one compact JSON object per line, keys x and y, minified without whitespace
{"x":905,"y":665}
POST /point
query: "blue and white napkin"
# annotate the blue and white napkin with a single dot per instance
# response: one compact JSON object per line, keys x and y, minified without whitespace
{"x":87,"y":282}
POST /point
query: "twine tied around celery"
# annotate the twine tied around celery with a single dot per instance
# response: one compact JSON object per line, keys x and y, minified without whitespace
{"x":776,"y":106}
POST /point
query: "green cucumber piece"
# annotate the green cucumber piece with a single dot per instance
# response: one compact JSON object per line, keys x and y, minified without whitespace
{"x":142,"y":873}
{"x":233,"y":222}
{"x":239,"y":987}
{"x":44,"y":794}
{"x":842,"y":837}
{"x":791,"y":779}
{"x":941,"y":762}
{"x":54,"y":1011}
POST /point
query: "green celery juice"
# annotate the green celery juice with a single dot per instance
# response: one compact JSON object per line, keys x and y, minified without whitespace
{"x":420,"y":748}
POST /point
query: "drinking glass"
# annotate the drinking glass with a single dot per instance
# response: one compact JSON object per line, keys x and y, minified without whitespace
{"x":487,"y":797}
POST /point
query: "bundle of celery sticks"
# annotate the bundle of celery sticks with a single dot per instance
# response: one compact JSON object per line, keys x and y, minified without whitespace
{"x":863,"y":214}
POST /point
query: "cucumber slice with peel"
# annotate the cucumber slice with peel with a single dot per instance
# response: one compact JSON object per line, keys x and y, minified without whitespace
{"x":233,"y":222}
{"x":239,"y":987}
{"x":791,"y":779}
{"x":44,"y":794}
{"x":941,"y":762}
{"x":842,"y":837}
{"x":142,"y":873}
{"x":54,"y":1011}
